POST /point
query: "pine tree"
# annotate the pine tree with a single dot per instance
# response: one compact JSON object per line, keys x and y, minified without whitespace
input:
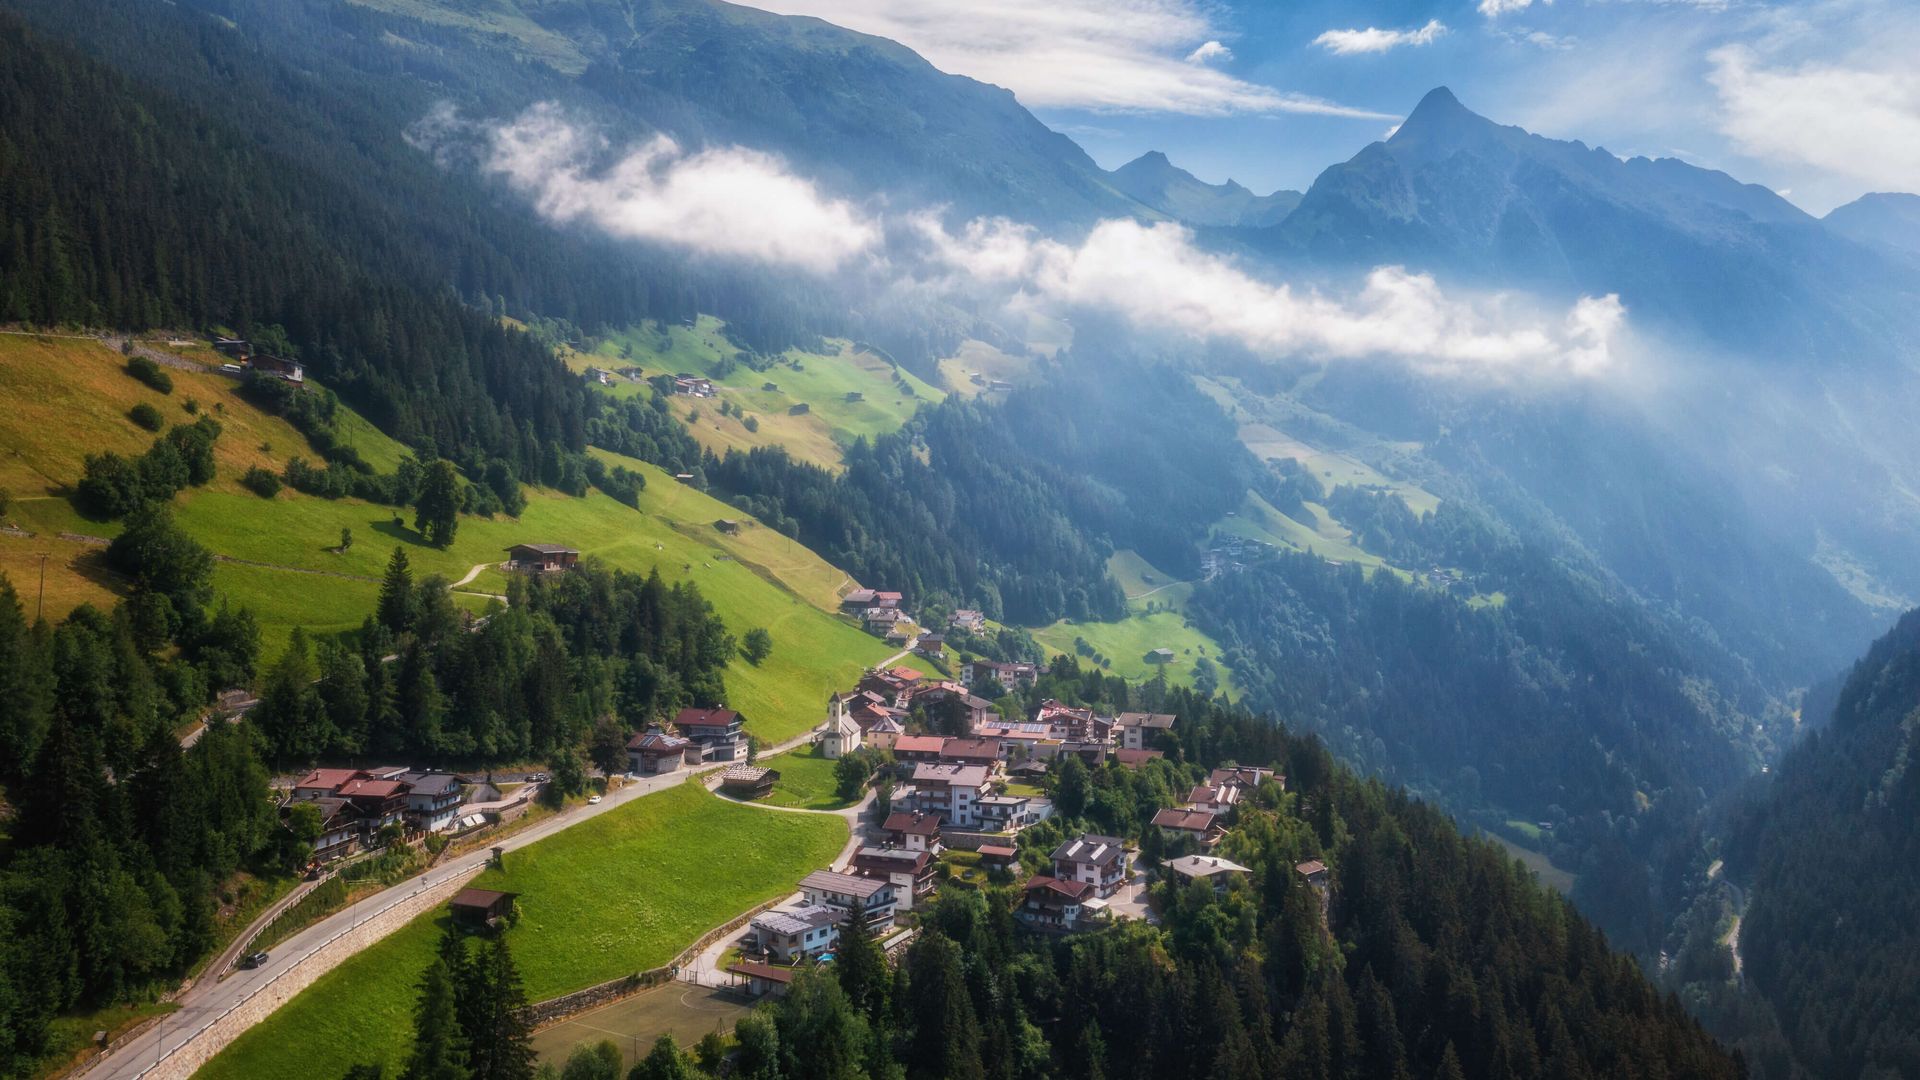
{"x":396,"y":608}
{"x":439,"y":1050}
{"x":501,"y":1036}
{"x":861,"y":966}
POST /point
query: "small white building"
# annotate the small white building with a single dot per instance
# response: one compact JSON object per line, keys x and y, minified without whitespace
{"x":842,"y":736}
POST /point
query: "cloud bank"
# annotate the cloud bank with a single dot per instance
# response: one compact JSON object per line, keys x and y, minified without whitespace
{"x":1105,"y":55}
{"x":740,"y":204}
{"x":1857,"y":120}
{"x":1376,"y":40}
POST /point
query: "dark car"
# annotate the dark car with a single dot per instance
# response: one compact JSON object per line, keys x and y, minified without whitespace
{"x":253,"y":960}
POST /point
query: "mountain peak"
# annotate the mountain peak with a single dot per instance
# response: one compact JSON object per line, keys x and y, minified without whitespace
{"x":1439,"y":112}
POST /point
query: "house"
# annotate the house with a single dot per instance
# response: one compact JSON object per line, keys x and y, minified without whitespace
{"x":1098,"y":861}
{"x":379,"y":803}
{"x":875,"y":899}
{"x":238,"y":348}
{"x":881,"y":620}
{"x":1053,"y":904}
{"x":762,"y":979}
{"x":892,"y":685}
{"x":692,"y":385}
{"x":541,"y":558}
{"x":883,"y":731}
{"x":883,"y":599}
{"x":932,"y":646}
{"x":1093,"y":753}
{"x":973,"y":622}
{"x":433,"y":800}
{"x":914,"y":832}
{"x":1006,"y":813}
{"x":1201,"y":826}
{"x":481,"y":909}
{"x":977,"y":672}
{"x":857,"y":600}
{"x":1243,"y":776}
{"x":1134,"y":759}
{"x":717,"y":732}
{"x":1137,"y":728}
{"x":748,"y":781}
{"x":1159,"y":656}
{"x":1071,"y":724}
{"x":339,"y":828}
{"x":798,"y":932}
{"x":985,"y":752}
{"x":998,"y":856}
{"x":727,"y":525}
{"x":951,"y":700}
{"x":915,"y":749}
{"x":1218,"y":872}
{"x":1315,"y":872}
{"x":279,"y":367}
{"x":910,"y":872}
{"x":951,"y":791}
{"x":654,"y":751}
{"x":842,"y":735}
{"x":1217,"y":800}
{"x":898,"y":636}
{"x":322,"y":783}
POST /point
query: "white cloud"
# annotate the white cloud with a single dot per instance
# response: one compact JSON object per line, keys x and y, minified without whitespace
{"x":1209,"y":52}
{"x":1860,"y":120}
{"x":1493,"y":9}
{"x":1376,"y":40}
{"x":1103,"y":55}
{"x":728,"y":202}
{"x":738,"y":203}
{"x":1158,"y":278}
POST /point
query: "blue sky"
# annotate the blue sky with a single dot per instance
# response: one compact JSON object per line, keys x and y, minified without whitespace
{"x":1819,"y":100}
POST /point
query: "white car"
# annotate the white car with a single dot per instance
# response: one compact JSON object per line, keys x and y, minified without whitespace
{"x":593,"y":800}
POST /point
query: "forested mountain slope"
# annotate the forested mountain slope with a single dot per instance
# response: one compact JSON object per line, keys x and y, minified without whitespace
{"x":1830,"y":851}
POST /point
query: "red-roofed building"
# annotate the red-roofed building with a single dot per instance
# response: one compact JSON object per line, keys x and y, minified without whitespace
{"x":653,"y":752}
{"x":1133,"y":759}
{"x":378,"y":802}
{"x":716,"y":731}
{"x":972,"y":751}
{"x":918,"y":748}
{"x":321,"y":783}
{"x":914,"y":832}
{"x":1200,"y":826}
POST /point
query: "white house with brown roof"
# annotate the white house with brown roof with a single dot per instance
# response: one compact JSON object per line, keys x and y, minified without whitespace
{"x":875,"y":898}
{"x":1099,"y":861}
{"x":951,"y":791}
{"x":1136,"y":728}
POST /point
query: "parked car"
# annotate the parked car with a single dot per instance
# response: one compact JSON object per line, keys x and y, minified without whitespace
{"x":253,"y":960}
{"x":593,"y":800}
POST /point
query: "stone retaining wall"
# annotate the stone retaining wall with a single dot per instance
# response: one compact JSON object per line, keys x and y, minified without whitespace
{"x":221,"y":1031}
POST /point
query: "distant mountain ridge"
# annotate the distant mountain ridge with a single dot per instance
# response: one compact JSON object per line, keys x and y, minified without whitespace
{"x":1887,"y":218}
{"x":1164,"y":186}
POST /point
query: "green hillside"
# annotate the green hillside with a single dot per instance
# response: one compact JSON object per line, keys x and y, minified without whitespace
{"x":821,"y":380}
{"x":754,"y":578}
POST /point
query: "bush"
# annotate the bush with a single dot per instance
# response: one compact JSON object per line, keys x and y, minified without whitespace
{"x":146,"y":416}
{"x":149,"y":372}
{"x":261,"y":482}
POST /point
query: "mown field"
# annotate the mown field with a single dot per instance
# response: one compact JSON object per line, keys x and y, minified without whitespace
{"x":621,"y":893}
{"x":806,"y":781}
{"x":820,"y":380}
{"x":1127,"y":642}
{"x":754,"y":578}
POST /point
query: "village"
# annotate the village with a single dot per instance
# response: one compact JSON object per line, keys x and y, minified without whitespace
{"x":951,"y":791}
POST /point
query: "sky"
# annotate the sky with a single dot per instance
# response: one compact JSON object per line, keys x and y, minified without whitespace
{"x":1818,"y":100}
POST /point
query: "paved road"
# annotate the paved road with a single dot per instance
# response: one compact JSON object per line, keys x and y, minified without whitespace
{"x":209,"y":1000}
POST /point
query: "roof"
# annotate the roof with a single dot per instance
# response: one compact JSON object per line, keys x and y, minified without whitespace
{"x":885,"y":724}
{"x":997,"y":851}
{"x":919,"y":859}
{"x":479,"y":898}
{"x":958,"y":748}
{"x":746,"y":774}
{"x":828,"y":881}
{"x":1089,"y":848}
{"x":951,"y":775}
{"x":1066,"y":890}
{"x":754,"y":969}
{"x":706,"y":718}
{"x":1190,"y":820}
{"x":430,"y":783}
{"x":1206,"y":793}
{"x":901,"y":671}
{"x":796,"y":920}
{"x":657,"y":740}
{"x":1205,"y":866}
{"x":1135,"y":758}
{"x":546,"y":549}
{"x":1312,"y":867}
{"x":375,"y":789}
{"x":912,"y":824}
{"x":327,"y":778}
{"x":1146,"y":720}
{"x":914,"y":744}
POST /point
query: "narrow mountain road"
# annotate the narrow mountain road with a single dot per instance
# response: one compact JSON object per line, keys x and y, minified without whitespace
{"x":471,"y":574}
{"x":157,"y":1052}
